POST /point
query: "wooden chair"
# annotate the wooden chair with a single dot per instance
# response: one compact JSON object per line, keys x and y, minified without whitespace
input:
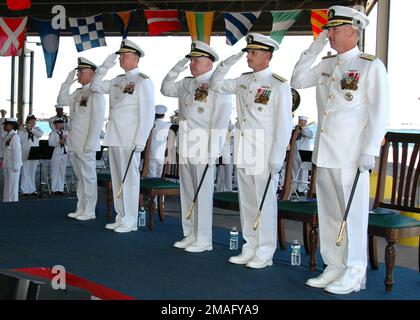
{"x":385,"y":219}
{"x":158,"y":187}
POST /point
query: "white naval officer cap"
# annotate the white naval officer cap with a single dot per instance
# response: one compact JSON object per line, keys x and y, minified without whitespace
{"x":340,"y":15}
{"x":130,"y":46}
{"x":83,"y":63}
{"x":256,"y":41}
{"x":202,"y":49}
{"x":59,"y":106}
{"x":160,"y":109}
{"x":10,"y":120}
{"x":303,"y":118}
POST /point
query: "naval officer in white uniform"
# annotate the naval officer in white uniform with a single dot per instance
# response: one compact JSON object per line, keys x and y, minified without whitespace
{"x":12,"y":161}
{"x":58,"y":164}
{"x":204,"y":119}
{"x":131,"y":117}
{"x":264,"y":103}
{"x":353,"y":107}
{"x":87,"y":112}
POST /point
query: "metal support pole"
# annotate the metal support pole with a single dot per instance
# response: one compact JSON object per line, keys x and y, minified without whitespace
{"x":31,"y":81}
{"x":21,"y":86}
{"x":12,"y":87}
{"x":382,"y":31}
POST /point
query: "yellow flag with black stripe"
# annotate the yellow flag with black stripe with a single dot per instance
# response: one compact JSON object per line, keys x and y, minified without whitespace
{"x":200,"y":25}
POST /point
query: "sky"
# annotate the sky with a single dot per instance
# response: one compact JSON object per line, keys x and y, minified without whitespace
{"x":162,"y":53}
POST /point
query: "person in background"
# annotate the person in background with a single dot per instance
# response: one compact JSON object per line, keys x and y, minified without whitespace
{"x":12,"y":161}
{"x":353,"y":109}
{"x":158,"y":140}
{"x":2,"y":133}
{"x":58,"y":140}
{"x":59,"y":115}
{"x":29,"y":137}
{"x":225,"y":165}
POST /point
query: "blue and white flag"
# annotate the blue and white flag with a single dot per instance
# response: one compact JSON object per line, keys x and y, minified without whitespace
{"x":88,"y":32}
{"x":238,"y":24}
{"x":50,"y":39}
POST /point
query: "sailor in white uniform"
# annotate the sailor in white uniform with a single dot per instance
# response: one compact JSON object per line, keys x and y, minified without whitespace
{"x":29,"y":137}
{"x":2,"y":133}
{"x":264,"y":103}
{"x":158,"y":140}
{"x":204,"y":118}
{"x":87,"y":113}
{"x":58,"y":164}
{"x":12,"y":161}
{"x":131,"y":117}
{"x":59,"y":109}
{"x":353,"y":107}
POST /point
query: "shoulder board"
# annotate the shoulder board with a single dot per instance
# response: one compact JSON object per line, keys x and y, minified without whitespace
{"x":281,"y":79}
{"x":188,"y":77}
{"x":329,"y":56}
{"x":368,"y":56}
{"x":120,"y":75}
{"x":247,"y":73}
{"x":143,"y":75}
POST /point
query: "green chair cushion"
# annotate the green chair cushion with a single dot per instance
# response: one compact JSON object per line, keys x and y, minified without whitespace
{"x":308,"y":207}
{"x":394,"y":221}
{"x":226,"y":196}
{"x":146,"y":184}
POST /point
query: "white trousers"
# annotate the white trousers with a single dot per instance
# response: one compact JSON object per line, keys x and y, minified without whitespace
{"x":333,"y":188}
{"x":201,"y":221}
{"x":261,"y":242}
{"x":84,"y":166}
{"x":58,"y":165}
{"x":224,"y":177}
{"x":27,"y":179}
{"x":155,"y":168}
{"x":11,"y":185}
{"x":127,"y":206}
{"x":299,"y":176}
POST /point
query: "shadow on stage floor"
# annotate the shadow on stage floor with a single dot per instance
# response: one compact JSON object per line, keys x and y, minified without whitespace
{"x":144,"y":264}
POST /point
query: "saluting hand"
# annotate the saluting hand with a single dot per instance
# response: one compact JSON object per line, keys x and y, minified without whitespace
{"x":319,"y":43}
{"x":70,"y":78}
{"x":232,"y":59}
{"x":181,"y":65}
{"x":109,"y":61}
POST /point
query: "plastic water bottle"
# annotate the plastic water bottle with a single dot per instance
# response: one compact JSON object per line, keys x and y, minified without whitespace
{"x":295,"y":258}
{"x":234,"y":239}
{"x":142,"y":217}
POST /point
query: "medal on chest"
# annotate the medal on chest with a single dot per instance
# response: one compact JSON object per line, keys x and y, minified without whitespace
{"x":262,"y":96}
{"x":350,"y":80}
{"x":201,"y":93}
{"x":129,"y":87}
{"x":83,"y":101}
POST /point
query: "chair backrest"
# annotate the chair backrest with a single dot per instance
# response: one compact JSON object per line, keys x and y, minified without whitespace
{"x":403,"y":162}
{"x":290,"y":156}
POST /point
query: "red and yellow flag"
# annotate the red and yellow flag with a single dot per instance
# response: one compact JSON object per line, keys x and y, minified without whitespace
{"x":200,"y":25}
{"x":318,"y":19}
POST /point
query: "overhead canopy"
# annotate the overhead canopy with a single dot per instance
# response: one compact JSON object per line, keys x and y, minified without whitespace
{"x":42,"y":9}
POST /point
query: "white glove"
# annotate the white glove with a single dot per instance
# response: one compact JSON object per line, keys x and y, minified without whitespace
{"x":138,"y":148}
{"x":274,"y":170}
{"x":211,"y":161}
{"x":232,"y":59}
{"x":319,"y":43}
{"x":366,"y":162}
{"x":88,"y":149}
{"x":109,"y":61}
{"x":181,"y":65}
{"x":70,"y":78}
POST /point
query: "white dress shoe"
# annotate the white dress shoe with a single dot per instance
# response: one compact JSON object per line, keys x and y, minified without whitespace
{"x":112,"y":226}
{"x":241,"y":259}
{"x":353,"y":280}
{"x":182,"y":244}
{"x":74,"y":214}
{"x":329,"y":275}
{"x":123,"y":229}
{"x":257,"y":263}
{"x":86,"y":216}
{"x":196,"y":247}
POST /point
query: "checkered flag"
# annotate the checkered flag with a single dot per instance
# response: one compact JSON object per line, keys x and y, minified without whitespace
{"x":88,"y":32}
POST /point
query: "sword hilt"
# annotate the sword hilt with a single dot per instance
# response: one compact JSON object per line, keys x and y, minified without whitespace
{"x":189,"y":213}
{"x":340,"y":234}
{"x":120,"y":191}
{"x":257,"y":221}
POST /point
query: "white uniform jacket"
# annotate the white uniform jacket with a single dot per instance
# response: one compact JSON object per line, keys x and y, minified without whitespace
{"x":131,"y":109}
{"x":353,"y":105}
{"x":264,"y":103}
{"x":12,"y":151}
{"x":199,"y":108}
{"x":158,"y":140}
{"x":87,"y":113}
{"x":54,"y":141}
{"x":27,"y":142}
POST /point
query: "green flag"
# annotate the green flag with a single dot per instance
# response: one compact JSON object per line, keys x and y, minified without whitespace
{"x":282,"y":21}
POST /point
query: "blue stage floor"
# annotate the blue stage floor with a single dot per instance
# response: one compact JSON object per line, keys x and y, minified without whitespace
{"x":144,"y":264}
